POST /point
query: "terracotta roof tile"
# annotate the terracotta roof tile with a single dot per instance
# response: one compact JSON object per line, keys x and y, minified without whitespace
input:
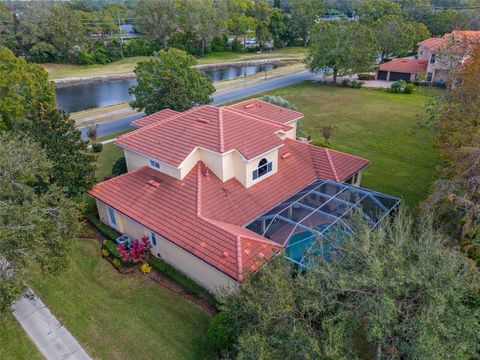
{"x":153,"y":118}
{"x":217,"y":129}
{"x":267,"y":110}
{"x":405,"y":65}
{"x":205,"y":216}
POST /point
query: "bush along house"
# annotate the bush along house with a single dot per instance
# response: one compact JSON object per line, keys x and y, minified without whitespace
{"x":221,"y":190}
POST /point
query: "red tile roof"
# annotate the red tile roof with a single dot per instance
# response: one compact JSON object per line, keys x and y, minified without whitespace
{"x":153,"y":118}
{"x":267,"y":110}
{"x":218,"y":129}
{"x":405,"y":65}
{"x":458,"y":41}
{"x":431,"y":44}
{"x":205,"y":216}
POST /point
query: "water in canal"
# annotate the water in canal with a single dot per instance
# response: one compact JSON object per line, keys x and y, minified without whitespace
{"x":103,"y":93}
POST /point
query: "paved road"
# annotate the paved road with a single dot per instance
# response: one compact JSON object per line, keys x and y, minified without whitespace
{"x":115,"y":126}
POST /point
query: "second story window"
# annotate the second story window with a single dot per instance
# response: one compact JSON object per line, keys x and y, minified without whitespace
{"x":154,"y":164}
{"x":264,"y":167}
{"x":432,"y":59}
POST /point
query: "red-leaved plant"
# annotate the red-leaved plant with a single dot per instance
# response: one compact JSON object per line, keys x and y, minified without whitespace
{"x":138,"y":252}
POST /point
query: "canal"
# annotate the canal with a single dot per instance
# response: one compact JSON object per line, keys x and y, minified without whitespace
{"x":94,"y":94}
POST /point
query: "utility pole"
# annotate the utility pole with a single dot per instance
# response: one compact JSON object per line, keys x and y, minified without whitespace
{"x":120,"y":34}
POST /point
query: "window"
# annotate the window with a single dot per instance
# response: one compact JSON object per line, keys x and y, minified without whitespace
{"x":153,"y":238}
{"x":264,"y":167}
{"x":429,"y":76}
{"x":111,"y":217}
{"x":154,"y":164}
{"x":432,"y":59}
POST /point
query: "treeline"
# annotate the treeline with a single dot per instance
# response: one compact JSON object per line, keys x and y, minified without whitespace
{"x":87,"y":31}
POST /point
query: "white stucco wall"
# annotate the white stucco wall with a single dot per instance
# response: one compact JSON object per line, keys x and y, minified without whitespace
{"x":135,"y":161}
{"x":198,"y":270}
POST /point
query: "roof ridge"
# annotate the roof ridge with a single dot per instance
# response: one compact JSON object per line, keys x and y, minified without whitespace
{"x":334,"y":171}
{"x":220,"y":130}
{"x":258,"y":118}
{"x":268,"y":103}
{"x":199,"y":190}
{"x":161,"y":122}
{"x":239,"y":259}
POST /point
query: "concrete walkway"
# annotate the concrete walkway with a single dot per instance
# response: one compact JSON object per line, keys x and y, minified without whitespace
{"x":52,"y":338}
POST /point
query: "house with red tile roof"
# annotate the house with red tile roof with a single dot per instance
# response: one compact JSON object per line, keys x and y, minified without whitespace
{"x":435,"y":57}
{"x":196,"y":179}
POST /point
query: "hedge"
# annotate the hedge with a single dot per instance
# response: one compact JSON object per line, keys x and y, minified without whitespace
{"x":162,"y":267}
{"x":188,"y":284}
{"x":105,"y":230}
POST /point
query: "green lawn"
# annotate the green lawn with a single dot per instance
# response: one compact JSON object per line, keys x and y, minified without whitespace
{"x":14,"y":342}
{"x":59,"y":71}
{"x":105,"y":160}
{"x":377,"y":125}
{"x":117,"y":316}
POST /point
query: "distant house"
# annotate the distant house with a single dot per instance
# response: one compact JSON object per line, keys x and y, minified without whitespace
{"x":221,"y":190}
{"x":435,"y":57}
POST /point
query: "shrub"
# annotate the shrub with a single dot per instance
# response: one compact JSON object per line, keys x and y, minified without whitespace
{"x":345,"y":83}
{"x":117,"y":263}
{"x":356,"y":84}
{"x":85,"y":58}
{"x":278,"y":100}
{"x":138,"y":251}
{"x":105,"y":253}
{"x":103,"y":229}
{"x":145,"y":268}
{"x":398,"y":86}
{"x":366,"y":77}
{"x":409,"y":88}
{"x":321,"y":143}
{"x":97,"y":147}
{"x":188,"y":284}
{"x":218,"y":334}
{"x":119,"y":167}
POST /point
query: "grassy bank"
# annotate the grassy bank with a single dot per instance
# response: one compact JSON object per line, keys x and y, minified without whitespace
{"x":119,"y":316}
{"x":60,"y":71}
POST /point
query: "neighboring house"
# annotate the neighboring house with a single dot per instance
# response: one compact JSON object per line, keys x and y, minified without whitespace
{"x":435,"y":58}
{"x":221,"y":190}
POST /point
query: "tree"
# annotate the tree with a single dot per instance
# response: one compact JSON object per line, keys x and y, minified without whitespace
{"x":394,"y":292}
{"x":394,"y":36}
{"x":262,"y":13}
{"x":170,"y":81}
{"x":73,"y":166}
{"x":371,"y":11}
{"x":200,"y":19}
{"x":51,"y":31}
{"x":454,"y":202}
{"x":344,"y":46}
{"x":21,"y":85}
{"x":278,"y":27}
{"x":7,"y":33}
{"x":304,"y":14}
{"x":157,"y":19}
{"x":239,"y":19}
{"x":447,"y":21}
{"x":36,"y":228}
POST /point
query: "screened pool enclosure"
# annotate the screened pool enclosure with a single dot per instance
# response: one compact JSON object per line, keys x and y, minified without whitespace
{"x":317,"y":218}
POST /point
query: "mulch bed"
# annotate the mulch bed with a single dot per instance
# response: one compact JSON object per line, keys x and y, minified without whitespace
{"x":154,"y":275}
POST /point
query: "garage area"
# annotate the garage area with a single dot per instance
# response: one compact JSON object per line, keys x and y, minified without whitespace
{"x":401,"y":69}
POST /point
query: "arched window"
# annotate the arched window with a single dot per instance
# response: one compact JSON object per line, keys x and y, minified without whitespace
{"x":263,"y":168}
